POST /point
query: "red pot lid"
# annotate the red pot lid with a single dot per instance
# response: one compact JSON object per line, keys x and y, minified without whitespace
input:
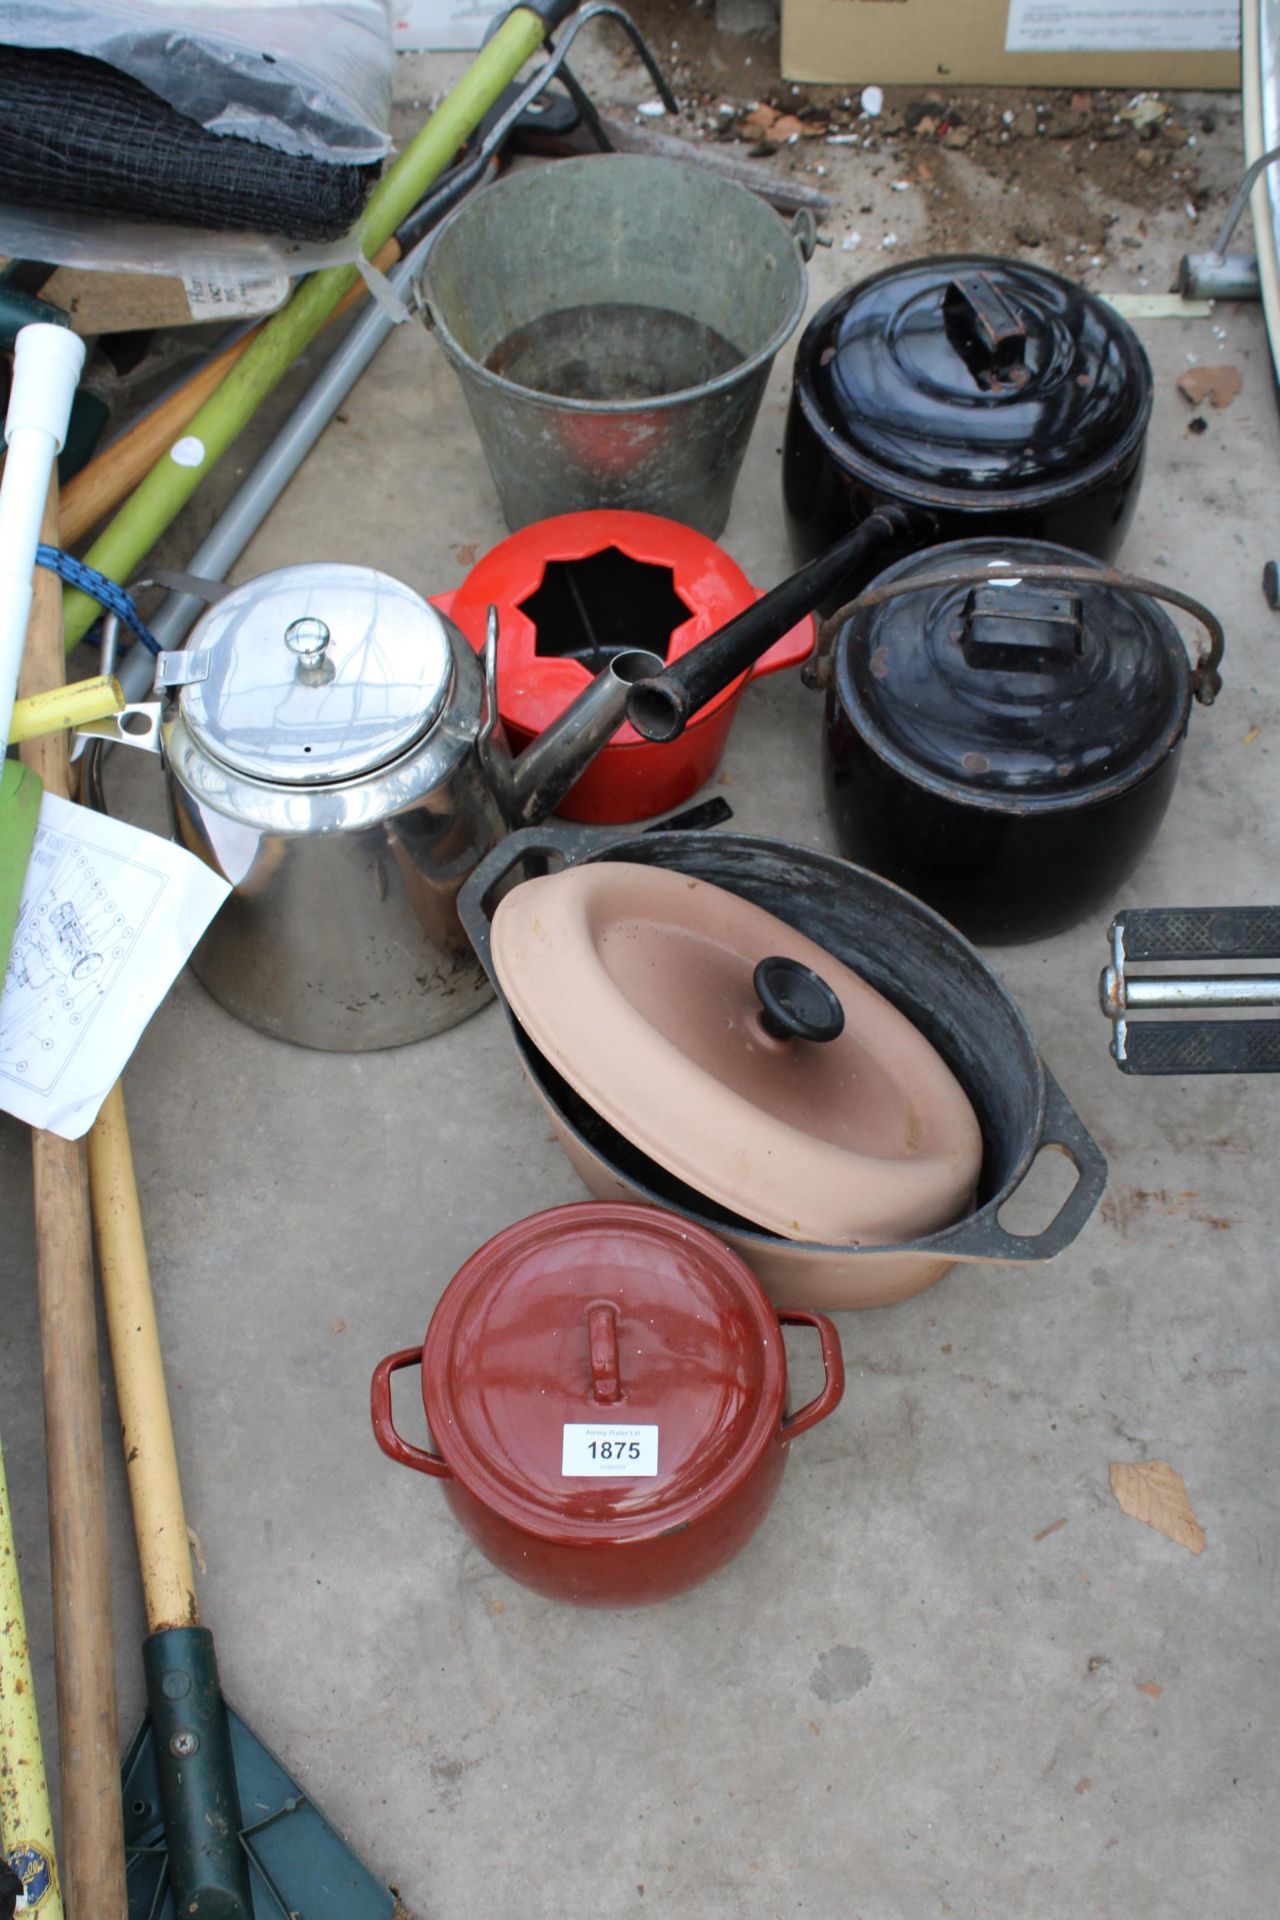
{"x":603,"y":1373}
{"x":535,"y":687}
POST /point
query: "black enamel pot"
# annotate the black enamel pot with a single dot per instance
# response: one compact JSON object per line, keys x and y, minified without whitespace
{"x":1004,"y":721}
{"x":997,"y":397}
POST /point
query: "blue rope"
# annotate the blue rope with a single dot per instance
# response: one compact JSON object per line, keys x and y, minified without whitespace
{"x":98,"y":587}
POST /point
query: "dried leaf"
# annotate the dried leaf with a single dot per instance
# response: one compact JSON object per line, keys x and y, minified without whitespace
{"x":1151,"y":1687}
{"x":1083,"y":1786}
{"x":1145,"y":110}
{"x":1218,"y":385}
{"x":1151,"y":1491}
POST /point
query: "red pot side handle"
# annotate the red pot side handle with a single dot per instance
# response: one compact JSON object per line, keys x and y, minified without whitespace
{"x":384,"y":1428}
{"x":791,"y":651}
{"x":829,"y":1398}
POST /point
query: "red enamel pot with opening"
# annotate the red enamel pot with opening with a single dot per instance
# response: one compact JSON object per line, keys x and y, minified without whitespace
{"x":606,"y":1391}
{"x":574,"y":590}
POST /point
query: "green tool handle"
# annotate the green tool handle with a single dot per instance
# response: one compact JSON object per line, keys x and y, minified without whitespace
{"x":130,"y":536}
{"x":208,"y":1871}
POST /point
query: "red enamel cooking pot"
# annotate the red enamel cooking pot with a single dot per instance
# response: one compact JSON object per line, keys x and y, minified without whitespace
{"x":606,"y":1387}
{"x":574,"y":590}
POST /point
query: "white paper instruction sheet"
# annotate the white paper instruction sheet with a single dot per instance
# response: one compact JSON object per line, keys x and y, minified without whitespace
{"x":1123,"y":26}
{"x":109,"y":916}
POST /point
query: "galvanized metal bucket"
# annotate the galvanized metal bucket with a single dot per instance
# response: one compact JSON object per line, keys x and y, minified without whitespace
{"x":612,"y":321}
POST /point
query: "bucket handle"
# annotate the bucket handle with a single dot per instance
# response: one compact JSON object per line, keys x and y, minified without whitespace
{"x":1206,"y":680}
{"x":804,"y":231}
{"x":829,"y":1395}
{"x":384,"y":1427}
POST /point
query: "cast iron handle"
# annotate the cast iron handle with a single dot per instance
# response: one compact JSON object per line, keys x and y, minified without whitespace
{"x":565,"y":845}
{"x":828,"y":1398}
{"x":986,"y":329}
{"x":1206,"y":680}
{"x":795,"y":1002}
{"x":985,"y":1239}
{"x":660,"y":708}
{"x":384,"y":1427}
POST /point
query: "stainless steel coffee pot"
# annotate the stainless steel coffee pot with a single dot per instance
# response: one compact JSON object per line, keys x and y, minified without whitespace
{"x":333,"y":749}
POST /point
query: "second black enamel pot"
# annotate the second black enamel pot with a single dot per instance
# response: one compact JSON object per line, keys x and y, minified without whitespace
{"x":1004,"y":720}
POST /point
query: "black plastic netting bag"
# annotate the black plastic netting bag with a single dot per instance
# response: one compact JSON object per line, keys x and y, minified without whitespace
{"x":78,"y":136}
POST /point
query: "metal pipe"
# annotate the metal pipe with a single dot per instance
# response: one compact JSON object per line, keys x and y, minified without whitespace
{"x":1144,"y":993}
{"x":663,"y":706}
{"x":547,"y":768}
{"x":1217,"y":275}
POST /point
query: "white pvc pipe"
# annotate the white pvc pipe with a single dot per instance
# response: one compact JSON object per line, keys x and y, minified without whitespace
{"x":46,"y":367}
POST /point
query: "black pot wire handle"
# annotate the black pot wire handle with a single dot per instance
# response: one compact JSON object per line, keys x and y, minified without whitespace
{"x":1206,"y":680}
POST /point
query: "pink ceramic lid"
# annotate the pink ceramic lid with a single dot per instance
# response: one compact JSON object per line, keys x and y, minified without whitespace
{"x":790,"y":1092}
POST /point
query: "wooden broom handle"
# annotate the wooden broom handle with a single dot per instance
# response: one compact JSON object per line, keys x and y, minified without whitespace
{"x":146,"y":1431}
{"x":92,"y":1851}
{"x":103,"y":482}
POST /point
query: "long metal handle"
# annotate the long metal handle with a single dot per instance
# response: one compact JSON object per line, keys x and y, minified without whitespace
{"x":660,"y":708}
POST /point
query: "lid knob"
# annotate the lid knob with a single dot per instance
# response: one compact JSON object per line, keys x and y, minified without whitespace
{"x":1021,"y":629}
{"x":795,"y":1002}
{"x":602,"y":1344}
{"x":986,"y":330}
{"x":308,"y":639}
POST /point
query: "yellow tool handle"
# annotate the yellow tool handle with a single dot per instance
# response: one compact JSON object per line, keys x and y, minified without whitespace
{"x":62,"y":709}
{"x":26,"y":1825}
{"x":164,"y":1552}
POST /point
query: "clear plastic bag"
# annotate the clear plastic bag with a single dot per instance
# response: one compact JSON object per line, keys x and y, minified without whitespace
{"x":304,"y":76}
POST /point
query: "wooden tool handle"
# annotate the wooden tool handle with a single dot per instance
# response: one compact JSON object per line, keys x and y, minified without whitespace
{"x":93,"y":1883}
{"x":164,"y":1552}
{"x":104,"y":481}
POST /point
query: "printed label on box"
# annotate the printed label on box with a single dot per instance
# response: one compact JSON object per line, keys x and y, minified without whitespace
{"x":1124,"y":26}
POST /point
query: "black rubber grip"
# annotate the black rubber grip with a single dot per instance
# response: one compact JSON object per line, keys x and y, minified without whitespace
{"x":1201,"y":933}
{"x":1202,"y":1046}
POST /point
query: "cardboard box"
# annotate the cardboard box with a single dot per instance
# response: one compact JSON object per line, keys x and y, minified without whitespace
{"x":1056,"y":43}
{"x":443,"y":26}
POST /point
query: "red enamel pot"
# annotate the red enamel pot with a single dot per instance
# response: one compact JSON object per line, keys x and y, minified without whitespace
{"x":573,"y":590}
{"x":606,"y":1387}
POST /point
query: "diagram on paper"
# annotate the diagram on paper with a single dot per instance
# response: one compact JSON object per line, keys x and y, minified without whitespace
{"x":82,"y":912}
{"x":109,"y":916}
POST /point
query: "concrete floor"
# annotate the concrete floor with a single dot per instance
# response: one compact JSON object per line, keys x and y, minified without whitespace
{"x":949,"y":1676}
